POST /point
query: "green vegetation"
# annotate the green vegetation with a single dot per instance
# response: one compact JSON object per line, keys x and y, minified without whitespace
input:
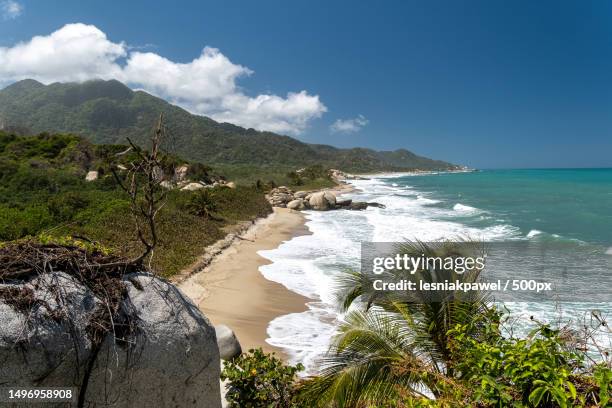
{"x":43,"y":190}
{"x":108,"y":112}
{"x":257,"y":379}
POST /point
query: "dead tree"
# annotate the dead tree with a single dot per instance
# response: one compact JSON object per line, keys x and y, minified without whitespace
{"x":142,"y":183}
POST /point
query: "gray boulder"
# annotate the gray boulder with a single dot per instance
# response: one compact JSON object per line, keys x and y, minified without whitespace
{"x":301,"y":194}
{"x":229,"y":346}
{"x":165,"y":354}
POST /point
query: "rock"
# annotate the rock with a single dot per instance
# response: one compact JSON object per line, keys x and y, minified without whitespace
{"x":378,"y":205}
{"x":229,"y":346}
{"x":297,"y":205}
{"x":280,"y":196}
{"x":192,"y":186}
{"x":322,"y":200}
{"x":231,"y":184}
{"x":330,"y":197}
{"x":357,"y":206}
{"x":344,"y":202}
{"x":360,"y":205}
{"x":180,"y":173}
{"x":169,"y":359}
{"x":301,"y":194}
{"x":91,"y":175}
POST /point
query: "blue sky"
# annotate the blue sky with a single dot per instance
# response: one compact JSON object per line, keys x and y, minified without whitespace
{"x":482,"y":83}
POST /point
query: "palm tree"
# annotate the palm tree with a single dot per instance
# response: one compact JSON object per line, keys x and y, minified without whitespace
{"x":395,"y":344}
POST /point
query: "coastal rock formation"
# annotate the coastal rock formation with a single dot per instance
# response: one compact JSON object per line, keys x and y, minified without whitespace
{"x":280,"y":196}
{"x":319,"y":200}
{"x":229,"y":346}
{"x":322,"y":201}
{"x":160,"y":350}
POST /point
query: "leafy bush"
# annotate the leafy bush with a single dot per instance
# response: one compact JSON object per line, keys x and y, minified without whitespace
{"x":540,"y":370}
{"x":258,"y":379}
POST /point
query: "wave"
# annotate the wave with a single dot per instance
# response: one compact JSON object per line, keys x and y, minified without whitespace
{"x":534,"y":233}
{"x":466,"y":209}
{"x":308,"y":264}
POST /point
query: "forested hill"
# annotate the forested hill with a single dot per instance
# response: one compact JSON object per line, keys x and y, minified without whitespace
{"x":108,"y":112}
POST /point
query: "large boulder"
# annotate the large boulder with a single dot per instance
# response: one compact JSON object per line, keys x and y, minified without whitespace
{"x":297,"y":205}
{"x":158,"y":351}
{"x":322,"y":201}
{"x":229,"y":346}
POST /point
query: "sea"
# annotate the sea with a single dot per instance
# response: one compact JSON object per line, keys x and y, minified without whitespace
{"x":571,"y":206}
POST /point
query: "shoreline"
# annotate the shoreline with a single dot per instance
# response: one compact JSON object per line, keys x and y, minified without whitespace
{"x":231,"y":290}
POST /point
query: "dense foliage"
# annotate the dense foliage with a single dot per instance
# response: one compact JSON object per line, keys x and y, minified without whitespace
{"x":256,"y":379}
{"x":43,"y":189}
{"x":108,"y":112}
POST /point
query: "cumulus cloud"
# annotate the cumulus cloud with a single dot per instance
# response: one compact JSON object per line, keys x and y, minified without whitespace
{"x":10,"y":9}
{"x":349,"y":125}
{"x":206,"y":85}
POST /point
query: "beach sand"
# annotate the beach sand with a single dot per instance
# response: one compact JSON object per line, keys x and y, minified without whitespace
{"x":232,"y":291}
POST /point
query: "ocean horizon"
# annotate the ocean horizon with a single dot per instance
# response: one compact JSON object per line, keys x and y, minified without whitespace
{"x":569,"y":206}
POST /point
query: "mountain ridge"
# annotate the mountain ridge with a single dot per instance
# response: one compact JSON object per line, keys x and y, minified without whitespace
{"x":109,"y":112}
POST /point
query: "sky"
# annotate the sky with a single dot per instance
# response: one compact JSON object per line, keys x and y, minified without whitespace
{"x":488,"y":84}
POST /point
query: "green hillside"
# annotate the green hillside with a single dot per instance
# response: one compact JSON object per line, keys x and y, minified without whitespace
{"x":43,"y":191}
{"x":107,"y":112}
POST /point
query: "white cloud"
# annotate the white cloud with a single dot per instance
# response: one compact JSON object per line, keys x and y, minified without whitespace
{"x":207,"y":85}
{"x":10,"y":9}
{"x":349,"y":125}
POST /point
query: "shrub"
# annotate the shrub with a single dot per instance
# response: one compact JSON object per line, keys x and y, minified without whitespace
{"x":257,"y":379}
{"x":202,"y":203}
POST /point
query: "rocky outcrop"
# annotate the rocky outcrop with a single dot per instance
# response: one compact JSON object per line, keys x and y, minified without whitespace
{"x":165,"y":354}
{"x":229,"y":346}
{"x":280,"y":196}
{"x":324,"y":200}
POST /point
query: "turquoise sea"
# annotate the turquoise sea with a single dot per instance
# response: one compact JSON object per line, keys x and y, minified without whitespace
{"x":569,"y":203}
{"x":564,"y":211}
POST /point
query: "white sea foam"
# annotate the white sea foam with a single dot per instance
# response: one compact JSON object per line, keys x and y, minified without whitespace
{"x":609,"y":251}
{"x":308,"y":264}
{"x":534,"y":233}
{"x":465,"y":209}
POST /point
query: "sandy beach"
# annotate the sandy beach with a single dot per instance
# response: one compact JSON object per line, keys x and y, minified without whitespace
{"x":232,"y":291}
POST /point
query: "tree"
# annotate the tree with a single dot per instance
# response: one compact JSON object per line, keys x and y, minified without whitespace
{"x":396,"y":344}
{"x":142,"y":183}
